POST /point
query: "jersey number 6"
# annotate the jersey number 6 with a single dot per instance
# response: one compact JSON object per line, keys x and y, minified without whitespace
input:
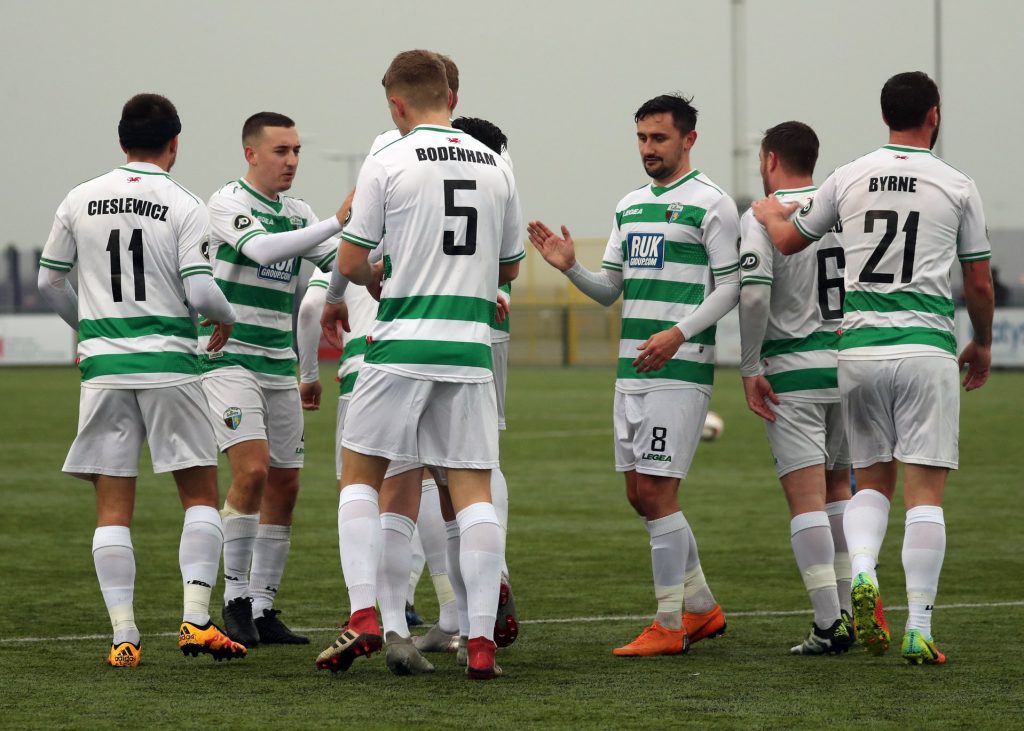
{"x":450,"y":209}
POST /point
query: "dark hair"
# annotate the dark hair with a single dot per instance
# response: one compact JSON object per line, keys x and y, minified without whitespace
{"x":254,"y":125}
{"x":487,"y":132}
{"x":148,"y":123}
{"x":906,"y":99}
{"x":451,"y":71}
{"x":419,"y":77}
{"x":795,"y":144}
{"x":684,"y":115}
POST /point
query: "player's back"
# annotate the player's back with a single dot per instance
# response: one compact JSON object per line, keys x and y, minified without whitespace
{"x":449,"y":201}
{"x":905,"y":216}
{"x":131,"y":228}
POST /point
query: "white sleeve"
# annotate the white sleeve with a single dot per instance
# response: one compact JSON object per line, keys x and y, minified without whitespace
{"x":755,"y":303}
{"x":721,"y":235}
{"x":821,"y":213}
{"x":313,"y":242}
{"x":603,"y":287}
{"x":307,"y":331}
{"x":512,"y":249}
{"x":207,"y":298}
{"x":57,"y":292}
{"x":757,"y":255}
{"x":714,"y":307}
{"x":193,"y":233}
{"x":613,"y":259}
{"x":365,"y":228}
{"x":972,"y":237}
{"x":60,"y":250}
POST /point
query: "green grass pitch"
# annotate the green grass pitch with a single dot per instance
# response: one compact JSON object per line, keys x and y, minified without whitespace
{"x":581,"y":570}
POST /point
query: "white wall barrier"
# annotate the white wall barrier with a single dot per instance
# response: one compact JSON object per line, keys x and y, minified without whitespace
{"x":35,"y":340}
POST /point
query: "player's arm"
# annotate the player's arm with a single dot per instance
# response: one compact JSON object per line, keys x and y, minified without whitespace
{"x":974,"y":252}
{"x":792,"y":233}
{"x":365,"y":227}
{"x":755,"y":305}
{"x":603,"y":287}
{"x":192,"y":232}
{"x":58,"y":258}
{"x":721,"y":232}
{"x":511,"y":251}
{"x":307,"y":338}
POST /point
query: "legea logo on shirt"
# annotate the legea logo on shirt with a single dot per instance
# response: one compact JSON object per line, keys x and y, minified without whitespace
{"x":646,"y":251}
{"x":280,"y":272}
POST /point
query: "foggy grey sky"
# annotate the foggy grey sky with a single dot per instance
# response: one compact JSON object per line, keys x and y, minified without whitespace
{"x":561,"y":78}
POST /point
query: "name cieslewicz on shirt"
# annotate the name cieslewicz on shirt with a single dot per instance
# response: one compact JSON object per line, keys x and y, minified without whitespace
{"x":455,"y":154}
{"x":138,"y":206}
{"x":646,"y":251}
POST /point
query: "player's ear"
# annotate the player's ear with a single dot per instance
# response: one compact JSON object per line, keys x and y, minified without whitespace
{"x":932,"y":118}
{"x":691,"y":138}
{"x":250,"y":155}
{"x":172,"y":146}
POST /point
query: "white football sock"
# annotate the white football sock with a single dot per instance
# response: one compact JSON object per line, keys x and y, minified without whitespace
{"x":359,"y":541}
{"x":454,"y":551}
{"x":499,"y":498}
{"x":924,"y":547}
{"x":668,"y":563}
{"x":114,"y":557}
{"x":864,"y":523}
{"x":430,"y":526}
{"x":698,"y":596}
{"x":416,"y":564}
{"x":393,"y":571}
{"x":844,"y":572}
{"x":480,"y":559}
{"x":811,"y":537}
{"x":239,"y":538}
{"x":202,"y":538}
{"x":269,"y":556}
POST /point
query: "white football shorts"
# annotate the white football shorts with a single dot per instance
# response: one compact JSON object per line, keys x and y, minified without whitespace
{"x":414,"y":421}
{"x":657,"y":432}
{"x":904,"y":408}
{"x":806,"y":433}
{"x":113,"y":423}
{"x":242,"y":410}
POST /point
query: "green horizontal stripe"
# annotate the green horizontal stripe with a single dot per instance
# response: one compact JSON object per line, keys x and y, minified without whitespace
{"x":253,"y":296}
{"x":354,"y":347}
{"x":814,"y":341}
{"x":899,"y":302}
{"x":346,"y":384}
{"x":677,"y":252}
{"x":317,"y":283}
{"x":190,"y":271}
{"x":803,"y":231}
{"x":228,"y":254}
{"x":135,"y":327}
{"x":638,"y":328}
{"x":662,"y":291}
{"x":514,"y":258}
{"x":804,"y":379}
{"x":660,"y":213}
{"x":676,"y":370}
{"x":247,"y":238}
{"x":977,"y":257}
{"x":119,"y":365}
{"x":266,"y":337}
{"x":726,"y":270}
{"x":430,"y":352}
{"x":254,"y":363}
{"x":59,"y":266}
{"x":359,"y":241}
{"x":756,"y":280}
{"x":611,"y":265}
{"x":324,"y":264}
{"x":865,"y":337}
{"x":436,"y":307}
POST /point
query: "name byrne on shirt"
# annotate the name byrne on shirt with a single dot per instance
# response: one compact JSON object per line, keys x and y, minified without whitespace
{"x":113,"y":206}
{"x":898,"y":183}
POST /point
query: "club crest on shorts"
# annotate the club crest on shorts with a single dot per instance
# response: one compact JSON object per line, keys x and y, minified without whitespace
{"x":646,"y":251}
{"x":233,"y":417}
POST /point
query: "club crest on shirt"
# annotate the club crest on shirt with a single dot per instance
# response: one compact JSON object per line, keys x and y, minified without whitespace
{"x":280,"y":272}
{"x":646,"y":251}
{"x":232,"y":417}
{"x":673,"y":212}
{"x":297,"y":222}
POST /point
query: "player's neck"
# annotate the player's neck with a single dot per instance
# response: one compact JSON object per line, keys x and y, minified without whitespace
{"x":163,"y":162}
{"x":791,"y":182}
{"x":266,"y":192}
{"x":683,"y":170}
{"x":919,"y":137}
{"x":441,"y":118}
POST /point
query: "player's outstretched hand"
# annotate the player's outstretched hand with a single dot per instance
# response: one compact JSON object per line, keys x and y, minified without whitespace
{"x":501,"y":309}
{"x":309,"y":393}
{"x":558,"y":252}
{"x":978,"y":359}
{"x":658,"y":349}
{"x":759,"y":392}
{"x":219,"y":336}
{"x":772,"y":207}
{"x":333,"y":320}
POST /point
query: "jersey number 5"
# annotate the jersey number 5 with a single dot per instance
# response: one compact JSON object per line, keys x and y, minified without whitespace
{"x":450,"y":209}
{"x":892,"y":222}
{"x":138,"y":273}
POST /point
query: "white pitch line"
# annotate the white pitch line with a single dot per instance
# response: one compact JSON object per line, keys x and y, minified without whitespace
{"x":755,"y":614}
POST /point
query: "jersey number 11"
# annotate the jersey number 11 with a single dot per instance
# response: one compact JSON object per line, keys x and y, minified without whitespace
{"x":138,"y":274}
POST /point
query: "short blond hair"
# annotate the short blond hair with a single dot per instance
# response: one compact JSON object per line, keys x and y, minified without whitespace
{"x":451,"y":71}
{"x":419,"y":78}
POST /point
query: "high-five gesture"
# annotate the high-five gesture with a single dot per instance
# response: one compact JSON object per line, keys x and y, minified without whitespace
{"x":558,"y":252}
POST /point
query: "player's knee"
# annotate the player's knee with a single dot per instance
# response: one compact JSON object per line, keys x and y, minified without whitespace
{"x":250,"y":477}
